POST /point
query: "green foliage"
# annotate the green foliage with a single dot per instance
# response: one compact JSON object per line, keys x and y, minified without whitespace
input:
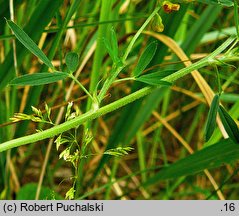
{"x":155,"y":78}
{"x":28,"y":192}
{"x":72,"y":61}
{"x":229,"y":124}
{"x":145,"y":58}
{"x":211,"y":119}
{"x":220,"y":153}
{"x":41,"y":15}
{"x":157,"y":23}
{"x":112,"y":47}
{"x":38,"y":78}
{"x":70,"y":194}
{"x":29,"y":43}
{"x":153,"y":81}
{"x":236,"y":17}
{"x":155,"y":120}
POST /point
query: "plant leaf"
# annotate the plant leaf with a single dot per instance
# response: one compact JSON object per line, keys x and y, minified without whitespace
{"x":109,"y":48}
{"x":72,"y":61}
{"x":153,"y":79}
{"x":114,"y":44}
{"x":145,"y":58}
{"x":211,"y":119}
{"x":229,"y":124}
{"x":223,"y":152}
{"x":28,"y":192}
{"x":29,"y":43}
{"x":38,"y":78}
{"x":159,"y":74}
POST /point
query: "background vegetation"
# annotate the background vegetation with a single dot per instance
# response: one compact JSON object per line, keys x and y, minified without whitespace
{"x":111,"y":106}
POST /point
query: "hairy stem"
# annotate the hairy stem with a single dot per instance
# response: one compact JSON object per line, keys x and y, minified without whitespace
{"x":92,"y":114}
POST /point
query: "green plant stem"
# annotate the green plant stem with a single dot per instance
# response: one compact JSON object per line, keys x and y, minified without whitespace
{"x":98,"y":57}
{"x":36,"y":91}
{"x":94,"y":79}
{"x":131,"y":44}
{"x":108,"y":83}
{"x":115,"y":73}
{"x":82,"y":87}
{"x":92,"y":114}
{"x":124,"y":79}
{"x":209,"y":60}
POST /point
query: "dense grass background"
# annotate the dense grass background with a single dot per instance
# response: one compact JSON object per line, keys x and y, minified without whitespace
{"x":163,"y":128}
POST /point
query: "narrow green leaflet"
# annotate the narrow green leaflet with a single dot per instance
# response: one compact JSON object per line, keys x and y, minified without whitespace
{"x":229,"y":124}
{"x":109,"y":49}
{"x":29,"y":43}
{"x":38,"y":78}
{"x":72,"y":61}
{"x":154,"y":82}
{"x":223,"y":152}
{"x":159,"y":74}
{"x":114,"y":43}
{"x":155,"y":78}
{"x":112,"y":47}
{"x":211,"y":119}
{"x":145,"y":58}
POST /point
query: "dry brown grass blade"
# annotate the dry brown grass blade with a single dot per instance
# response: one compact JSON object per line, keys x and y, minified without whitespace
{"x":205,"y":89}
{"x":171,"y":116}
{"x":202,"y":84}
{"x":190,"y":150}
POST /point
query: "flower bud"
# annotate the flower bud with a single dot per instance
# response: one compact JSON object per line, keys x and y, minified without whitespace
{"x":157,"y":23}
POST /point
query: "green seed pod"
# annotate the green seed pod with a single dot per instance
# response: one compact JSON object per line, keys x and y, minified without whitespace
{"x":157,"y":23}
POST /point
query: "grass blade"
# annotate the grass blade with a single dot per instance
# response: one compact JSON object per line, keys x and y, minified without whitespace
{"x":236,"y":17}
{"x":29,"y":43}
{"x":145,"y":58}
{"x":114,"y":43}
{"x":202,"y":25}
{"x":223,"y":152}
{"x":38,"y":78}
{"x":229,"y":124}
{"x":227,"y":3}
{"x":211,"y":119}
